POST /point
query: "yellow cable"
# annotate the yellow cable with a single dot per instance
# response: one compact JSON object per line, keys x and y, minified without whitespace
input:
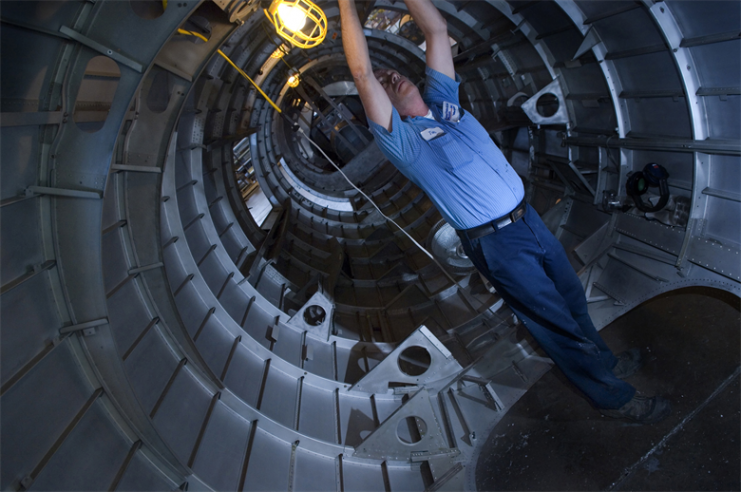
{"x":191,"y":33}
{"x":239,"y":70}
{"x":253,"y":82}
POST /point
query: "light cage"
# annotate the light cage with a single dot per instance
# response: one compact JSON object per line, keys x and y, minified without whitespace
{"x":312,"y":34}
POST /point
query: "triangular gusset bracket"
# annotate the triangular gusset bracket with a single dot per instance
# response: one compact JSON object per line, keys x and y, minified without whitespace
{"x":591,"y":40}
{"x":417,"y":361}
{"x":552,"y":97}
{"x":315,"y":317}
{"x":411,"y":433}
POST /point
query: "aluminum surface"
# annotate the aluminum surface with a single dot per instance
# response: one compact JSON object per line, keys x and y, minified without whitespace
{"x":147,"y":316}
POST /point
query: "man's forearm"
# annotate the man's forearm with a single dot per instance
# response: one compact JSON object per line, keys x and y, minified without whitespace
{"x":353,"y":41}
{"x":427,"y":17}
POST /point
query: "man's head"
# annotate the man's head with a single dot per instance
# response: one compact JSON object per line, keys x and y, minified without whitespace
{"x":403,"y":94}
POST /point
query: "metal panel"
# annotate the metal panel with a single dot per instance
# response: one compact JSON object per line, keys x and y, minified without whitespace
{"x":268,"y":453}
{"x":214,"y":343}
{"x":89,"y":458}
{"x":221,"y":453}
{"x":115,"y":264}
{"x":406,"y":477}
{"x":19,"y":222}
{"x":58,"y":391}
{"x":141,"y":476}
{"x":181,"y":414}
{"x":316,"y":416}
{"x":706,"y":17}
{"x":650,"y":232}
{"x":280,"y":397}
{"x":314,"y":472}
{"x":128,"y":316}
{"x":31,"y":306}
{"x":623,"y":284}
{"x":289,"y":345}
{"x":362,"y":477}
{"x":713,"y":255}
{"x":356,"y":418}
{"x":149,"y":368}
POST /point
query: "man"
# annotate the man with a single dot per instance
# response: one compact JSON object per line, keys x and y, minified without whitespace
{"x":448,"y":154}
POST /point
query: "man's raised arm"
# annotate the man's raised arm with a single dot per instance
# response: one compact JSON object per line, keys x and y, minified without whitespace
{"x":376,"y":102}
{"x":435,"y":29}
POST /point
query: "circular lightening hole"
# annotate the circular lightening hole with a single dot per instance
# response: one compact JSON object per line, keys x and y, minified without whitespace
{"x":414,"y":361}
{"x":314,"y":315}
{"x":411,"y":430}
{"x":547,"y":105}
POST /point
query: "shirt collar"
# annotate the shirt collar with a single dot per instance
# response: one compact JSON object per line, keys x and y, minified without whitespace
{"x":428,"y":116}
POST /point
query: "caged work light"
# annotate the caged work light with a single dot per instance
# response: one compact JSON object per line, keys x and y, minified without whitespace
{"x":300,"y":22}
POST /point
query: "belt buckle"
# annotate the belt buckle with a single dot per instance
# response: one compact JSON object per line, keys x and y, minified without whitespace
{"x":504,"y":222}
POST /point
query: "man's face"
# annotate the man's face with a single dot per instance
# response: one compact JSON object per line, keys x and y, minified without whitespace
{"x":401,"y":91}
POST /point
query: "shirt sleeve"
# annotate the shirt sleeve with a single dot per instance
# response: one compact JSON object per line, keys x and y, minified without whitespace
{"x":439,"y":87}
{"x":400,"y":145}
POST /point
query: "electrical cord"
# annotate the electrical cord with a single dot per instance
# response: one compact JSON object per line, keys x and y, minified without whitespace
{"x":239,"y":70}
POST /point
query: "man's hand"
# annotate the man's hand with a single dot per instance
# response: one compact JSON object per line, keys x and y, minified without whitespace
{"x":376,"y":102}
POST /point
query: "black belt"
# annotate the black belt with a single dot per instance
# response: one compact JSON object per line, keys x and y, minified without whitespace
{"x":496,"y":224}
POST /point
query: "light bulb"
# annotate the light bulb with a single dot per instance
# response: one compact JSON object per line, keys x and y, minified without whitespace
{"x":291,"y":17}
{"x":293,"y":81}
{"x":300,"y":22}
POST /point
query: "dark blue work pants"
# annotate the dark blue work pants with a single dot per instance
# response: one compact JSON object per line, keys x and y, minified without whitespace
{"x":528,"y":267}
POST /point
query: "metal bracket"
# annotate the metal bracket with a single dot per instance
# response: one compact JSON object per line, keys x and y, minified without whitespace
{"x":442,"y":365}
{"x":138,"y":169}
{"x":46,"y":190}
{"x":146,"y":268}
{"x":388,"y":441}
{"x":418,"y":456}
{"x":561,"y":116}
{"x":87,"y":328}
{"x":591,"y":40}
{"x":84,"y":40}
{"x":315,"y":317}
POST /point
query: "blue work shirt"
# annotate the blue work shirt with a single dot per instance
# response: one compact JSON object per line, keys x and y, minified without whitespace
{"x":462,"y":170}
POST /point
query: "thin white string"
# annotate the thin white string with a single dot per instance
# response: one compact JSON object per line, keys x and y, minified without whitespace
{"x":434,"y":260}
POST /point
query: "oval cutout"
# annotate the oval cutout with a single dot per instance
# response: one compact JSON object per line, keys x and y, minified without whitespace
{"x":96,"y":93}
{"x":148,"y":9}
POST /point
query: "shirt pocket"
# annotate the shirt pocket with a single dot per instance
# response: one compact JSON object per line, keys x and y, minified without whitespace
{"x":451,"y":153}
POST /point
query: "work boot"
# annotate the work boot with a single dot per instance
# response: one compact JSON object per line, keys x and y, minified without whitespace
{"x":628,"y":363}
{"x":641,"y":409}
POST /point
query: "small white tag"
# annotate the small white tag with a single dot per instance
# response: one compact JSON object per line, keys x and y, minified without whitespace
{"x":451,"y":112}
{"x":431,"y":133}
